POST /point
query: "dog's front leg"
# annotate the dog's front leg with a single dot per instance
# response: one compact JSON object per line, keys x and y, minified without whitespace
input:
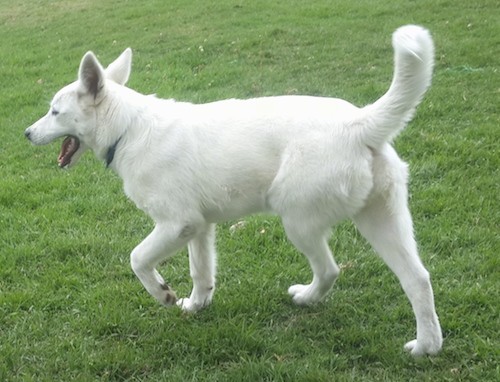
{"x":202,"y":263}
{"x":162,"y":242}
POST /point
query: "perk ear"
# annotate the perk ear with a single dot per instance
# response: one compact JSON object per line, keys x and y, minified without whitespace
{"x":91,"y":75}
{"x":119,"y":70}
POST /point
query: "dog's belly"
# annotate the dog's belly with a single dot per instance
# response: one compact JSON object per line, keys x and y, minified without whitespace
{"x":234,"y":205}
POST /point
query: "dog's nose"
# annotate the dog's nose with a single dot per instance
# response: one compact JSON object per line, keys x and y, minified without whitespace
{"x":27,"y":133}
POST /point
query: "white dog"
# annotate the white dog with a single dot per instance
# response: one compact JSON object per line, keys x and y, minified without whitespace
{"x":313,"y":161}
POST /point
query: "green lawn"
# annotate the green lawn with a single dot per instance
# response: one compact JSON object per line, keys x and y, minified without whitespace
{"x":71,"y":308}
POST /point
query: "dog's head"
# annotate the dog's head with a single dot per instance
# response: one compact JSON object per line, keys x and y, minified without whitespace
{"x":73,"y":110}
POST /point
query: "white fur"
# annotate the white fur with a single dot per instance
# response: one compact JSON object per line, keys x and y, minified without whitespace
{"x":313,"y":161}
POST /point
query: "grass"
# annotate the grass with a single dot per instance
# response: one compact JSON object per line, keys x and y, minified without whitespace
{"x":71,"y":308}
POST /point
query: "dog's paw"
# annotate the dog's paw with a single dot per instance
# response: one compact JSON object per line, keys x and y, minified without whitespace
{"x":170,"y":298}
{"x":418,"y":349}
{"x":166,"y":296}
{"x":190,"y":305}
{"x":302,"y":294}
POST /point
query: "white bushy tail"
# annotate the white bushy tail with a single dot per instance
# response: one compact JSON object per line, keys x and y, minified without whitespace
{"x":413,"y":61}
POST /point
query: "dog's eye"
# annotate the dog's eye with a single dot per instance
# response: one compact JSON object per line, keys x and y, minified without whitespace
{"x":54,"y":112}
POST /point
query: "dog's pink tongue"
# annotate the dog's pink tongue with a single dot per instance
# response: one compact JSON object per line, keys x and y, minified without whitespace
{"x":68,"y":148}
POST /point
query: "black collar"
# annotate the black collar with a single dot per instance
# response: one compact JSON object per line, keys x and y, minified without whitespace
{"x":110,"y":154}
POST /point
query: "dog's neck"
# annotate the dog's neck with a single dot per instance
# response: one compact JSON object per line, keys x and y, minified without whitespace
{"x":110,"y":153}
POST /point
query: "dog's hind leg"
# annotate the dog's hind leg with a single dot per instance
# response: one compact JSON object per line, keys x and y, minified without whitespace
{"x":161,"y":243}
{"x":386,"y":223}
{"x":314,"y":245}
{"x":202,"y":263}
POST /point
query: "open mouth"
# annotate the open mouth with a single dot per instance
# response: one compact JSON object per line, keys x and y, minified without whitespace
{"x":69,"y":147}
